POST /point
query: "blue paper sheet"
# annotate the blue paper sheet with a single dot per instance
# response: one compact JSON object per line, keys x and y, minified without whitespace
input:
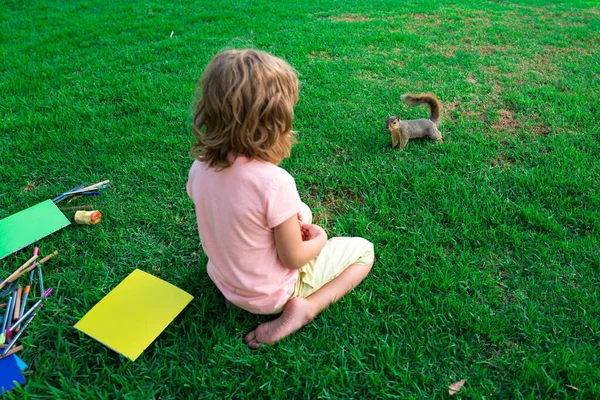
{"x":21,"y":363}
{"x":9,"y":374}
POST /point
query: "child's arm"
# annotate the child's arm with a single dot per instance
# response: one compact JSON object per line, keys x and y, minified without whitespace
{"x":293,"y":252}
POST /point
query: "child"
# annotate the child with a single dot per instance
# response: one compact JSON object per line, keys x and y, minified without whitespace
{"x":264,"y":253}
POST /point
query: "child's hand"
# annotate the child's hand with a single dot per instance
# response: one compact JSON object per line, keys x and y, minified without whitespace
{"x":317,"y":231}
{"x":311,"y":231}
{"x":305,"y":231}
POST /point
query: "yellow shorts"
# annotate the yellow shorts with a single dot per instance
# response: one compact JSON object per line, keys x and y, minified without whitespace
{"x":337,"y":255}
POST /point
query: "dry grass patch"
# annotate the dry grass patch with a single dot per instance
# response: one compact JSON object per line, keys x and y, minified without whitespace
{"x":397,"y":63}
{"x":325,"y":203}
{"x":566,"y":52}
{"x":30,"y":186}
{"x":505,"y":122}
{"x":487,"y":49}
{"x":446,"y":50}
{"x":424,"y":22}
{"x":503,"y":161}
{"x":369,"y":76}
{"x":322,"y":55}
{"x":471,"y":109}
{"x":448,"y":109}
{"x":543,"y":130}
{"x":349,"y":18}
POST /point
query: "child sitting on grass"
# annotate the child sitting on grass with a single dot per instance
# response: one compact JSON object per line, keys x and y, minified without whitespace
{"x":264,"y":253}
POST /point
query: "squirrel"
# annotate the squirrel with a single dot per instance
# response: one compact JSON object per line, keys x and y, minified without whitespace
{"x":417,"y":128}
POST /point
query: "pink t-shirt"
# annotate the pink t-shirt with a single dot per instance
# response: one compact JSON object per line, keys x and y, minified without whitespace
{"x":237,"y":209}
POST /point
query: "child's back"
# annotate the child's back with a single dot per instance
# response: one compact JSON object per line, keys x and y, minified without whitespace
{"x":237,"y":209}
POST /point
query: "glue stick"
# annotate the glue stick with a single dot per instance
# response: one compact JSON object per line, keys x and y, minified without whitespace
{"x":88,"y":217}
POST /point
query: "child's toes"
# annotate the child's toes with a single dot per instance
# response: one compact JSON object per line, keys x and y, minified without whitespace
{"x":253,"y":345}
{"x":250,"y":337}
{"x":251,"y":340}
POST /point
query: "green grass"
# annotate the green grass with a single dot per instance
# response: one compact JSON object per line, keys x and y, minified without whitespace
{"x":487,"y":245}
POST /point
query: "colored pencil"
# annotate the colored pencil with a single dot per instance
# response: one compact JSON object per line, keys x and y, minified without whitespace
{"x":24,"y":301}
{"x":87,"y":189}
{"x":5,"y":319}
{"x":41,"y":279}
{"x":11,"y":310}
{"x":18,"y":271}
{"x":14,"y":339}
{"x":63,"y":196}
{"x":31,"y":277}
{"x":18,"y":304}
{"x":11,"y":352}
{"x":27,"y":287}
{"x":32,"y":309}
{"x":31,"y":267}
{"x":8,"y":289}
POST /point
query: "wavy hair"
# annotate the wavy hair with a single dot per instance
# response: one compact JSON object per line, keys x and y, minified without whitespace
{"x":246,"y":108}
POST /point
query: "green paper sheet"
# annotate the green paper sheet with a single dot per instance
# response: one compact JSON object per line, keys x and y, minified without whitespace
{"x":30,"y":225}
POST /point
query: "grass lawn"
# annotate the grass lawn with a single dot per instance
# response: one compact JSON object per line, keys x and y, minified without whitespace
{"x":487,"y":245}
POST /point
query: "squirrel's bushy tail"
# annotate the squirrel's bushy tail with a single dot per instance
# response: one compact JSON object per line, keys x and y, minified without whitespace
{"x":435,"y":107}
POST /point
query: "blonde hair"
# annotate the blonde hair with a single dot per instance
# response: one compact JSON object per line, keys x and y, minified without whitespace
{"x":246,"y":108}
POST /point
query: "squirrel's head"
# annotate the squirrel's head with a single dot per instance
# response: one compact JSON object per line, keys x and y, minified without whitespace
{"x":392,"y":123}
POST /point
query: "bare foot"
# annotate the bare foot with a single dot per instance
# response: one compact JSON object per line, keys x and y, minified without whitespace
{"x":296,"y":314}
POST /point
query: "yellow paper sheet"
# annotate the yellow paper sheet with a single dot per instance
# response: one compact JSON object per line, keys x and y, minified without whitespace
{"x":134,"y":313}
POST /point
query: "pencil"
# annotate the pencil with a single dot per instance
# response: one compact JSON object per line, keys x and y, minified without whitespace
{"x":26,"y":291}
{"x":11,"y":310}
{"x":5,"y":318}
{"x":86,"y":189}
{"x":24,"y":301}
{"x":18,"y":271}
{"x":4,"y":335}
{"x":11,"y":352}
{"x":31,"y":310}
{"x":63,"y":196}
{"x":31,"y":277}
{"x":18,"y":304}
{"x":14,"y":340}
{"x":39,"y":270}
{"x":95,"y":185}
{"x":30,"y":268}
